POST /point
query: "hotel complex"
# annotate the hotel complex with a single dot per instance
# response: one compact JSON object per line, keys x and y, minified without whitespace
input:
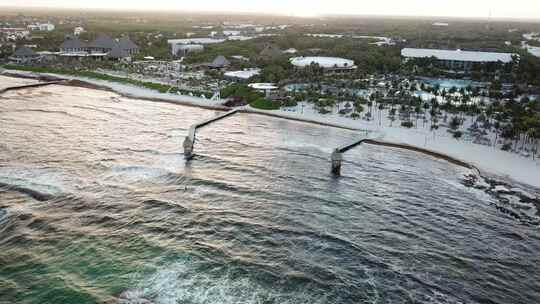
{"x":457,"y":59}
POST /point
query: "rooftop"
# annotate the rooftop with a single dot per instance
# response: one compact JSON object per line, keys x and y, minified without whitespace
{"x":324,"y":62}
{"x":72,"y":44}
{"x":245,"y":74}
{"x":24,"y":52}
{"x":103,"y":42}
{"x":220,"y":62}
{"x":127,"y":44}
{"x":457,"y":55}
{"x":195,"y":41}
{"x":263,"y":86}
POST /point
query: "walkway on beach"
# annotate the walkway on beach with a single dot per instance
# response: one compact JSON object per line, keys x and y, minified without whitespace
{"x":33,"y":85}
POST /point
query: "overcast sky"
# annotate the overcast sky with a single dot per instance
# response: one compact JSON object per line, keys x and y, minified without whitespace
{"x":458,"y":8}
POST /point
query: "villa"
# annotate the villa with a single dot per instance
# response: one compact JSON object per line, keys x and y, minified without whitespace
{"x":457,"y":59}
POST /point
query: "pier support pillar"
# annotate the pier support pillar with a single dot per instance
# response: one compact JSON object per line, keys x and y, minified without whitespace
{"x":336,"y":157}
{"x":188,"y":148}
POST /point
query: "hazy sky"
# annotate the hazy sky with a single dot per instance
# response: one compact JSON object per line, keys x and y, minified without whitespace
{"x":459,"y":8}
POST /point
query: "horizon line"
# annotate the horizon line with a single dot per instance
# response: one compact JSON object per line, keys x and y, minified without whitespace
{"x":276,"y":14}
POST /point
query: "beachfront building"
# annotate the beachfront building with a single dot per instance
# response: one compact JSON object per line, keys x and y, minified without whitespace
{"x":102,"y":47}
{"x":328,"y":64}
{"x":23,"y":55}
{"x":457,"y":59}
{"x":118,"y":53}
{"x":126,"y":45}
{"x":102,"y":44}
{"x":73,"y":45}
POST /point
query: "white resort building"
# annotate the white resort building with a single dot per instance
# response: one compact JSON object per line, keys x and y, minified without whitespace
{"x":328,"y":64}
{"x":242,"y":75}
{"x":457,"y":59}
{"x":181,"y":47}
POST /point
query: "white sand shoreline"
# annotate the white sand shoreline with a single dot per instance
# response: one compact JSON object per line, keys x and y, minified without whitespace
{"x":488,"y":159}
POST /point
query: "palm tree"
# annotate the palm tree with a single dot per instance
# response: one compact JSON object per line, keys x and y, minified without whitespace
{"x":392,"y":116}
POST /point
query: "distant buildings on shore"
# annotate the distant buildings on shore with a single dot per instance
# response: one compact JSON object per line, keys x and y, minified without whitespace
{"x":440,"y":24}
{"x":43,"y":27}
{"x":14,"y":33}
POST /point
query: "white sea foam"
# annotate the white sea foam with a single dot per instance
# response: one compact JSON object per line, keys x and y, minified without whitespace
{"x":184,"y":282}
{"x":43,"y":180}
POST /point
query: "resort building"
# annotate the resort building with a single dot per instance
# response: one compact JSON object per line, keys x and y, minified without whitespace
{"x":242,"y":75}
{"x":180,"y":47}
{"x":219,"y":63}
{"x":102,"y":46}
{"x":184,"y":49}
{"x":290,"y":51}
{"x":328,"y":64}
{"x":23,"y":55}
{"x":117,"y":52}
{"x":125,"y":44}
{"x":266,"y":88}
{"x":457,"y":59}
{"x":73,"y":46}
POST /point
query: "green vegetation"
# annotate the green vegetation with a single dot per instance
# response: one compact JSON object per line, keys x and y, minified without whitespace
{"x":290,"y":103}
{"x":407,"y":124}
{"x":89,"y":74}
{"x":241,"y":91}
{"x":265,"y":104}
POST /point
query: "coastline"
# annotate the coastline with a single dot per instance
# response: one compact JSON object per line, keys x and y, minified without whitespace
{"x":398,"y":138}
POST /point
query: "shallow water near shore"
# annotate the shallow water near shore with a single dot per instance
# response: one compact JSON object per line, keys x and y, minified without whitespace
{"x":98,"y":205}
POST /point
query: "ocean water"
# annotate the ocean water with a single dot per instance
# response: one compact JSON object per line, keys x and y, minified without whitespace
{"x":98,"y":205}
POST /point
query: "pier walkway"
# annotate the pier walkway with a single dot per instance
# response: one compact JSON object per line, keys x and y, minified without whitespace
{"x":33,"y":85}
{"x":189,"y":142}
{"x":337,"y":155}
